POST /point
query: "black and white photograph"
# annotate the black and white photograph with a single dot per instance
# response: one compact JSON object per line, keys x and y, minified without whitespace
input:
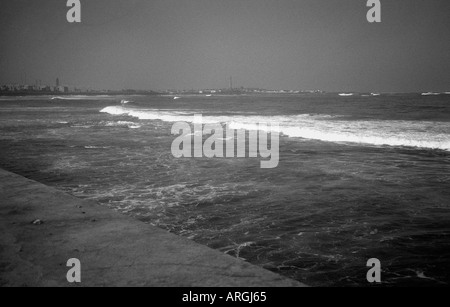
{"x":219,"y":149}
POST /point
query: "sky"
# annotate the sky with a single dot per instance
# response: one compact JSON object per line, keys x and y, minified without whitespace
{"x":198,"y":44}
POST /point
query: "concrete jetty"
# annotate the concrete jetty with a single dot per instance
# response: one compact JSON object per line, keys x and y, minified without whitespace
{"x":114,"y":250}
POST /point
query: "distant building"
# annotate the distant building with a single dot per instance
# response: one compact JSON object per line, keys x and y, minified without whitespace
{"x":57,"y":82}
{"x":62,"y":89}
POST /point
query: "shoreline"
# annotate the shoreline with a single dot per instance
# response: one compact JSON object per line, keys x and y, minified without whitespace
{"x":114,"y":249}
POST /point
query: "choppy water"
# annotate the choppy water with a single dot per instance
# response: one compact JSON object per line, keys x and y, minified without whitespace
{"x":359,"y":176}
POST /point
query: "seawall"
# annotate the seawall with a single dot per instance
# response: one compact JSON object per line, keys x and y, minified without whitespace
{"x":114,"y":250}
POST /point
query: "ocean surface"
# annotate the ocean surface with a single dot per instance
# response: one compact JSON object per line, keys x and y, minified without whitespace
{"x":359,"y":177}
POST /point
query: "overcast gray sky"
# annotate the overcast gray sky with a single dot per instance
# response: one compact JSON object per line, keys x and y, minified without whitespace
{"x":183,"y":44}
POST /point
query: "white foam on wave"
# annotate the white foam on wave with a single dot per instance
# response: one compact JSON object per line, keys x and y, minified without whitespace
{"x":167,"y":116}
{"x":125,"y":124}
{"x":83,"y":97}
{"x":430,"y":94}
{"x":346,"y":94}
{"x":422,"y":134}
{"x":96,"y":147}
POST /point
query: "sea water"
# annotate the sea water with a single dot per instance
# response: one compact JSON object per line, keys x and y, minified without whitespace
{"x":359,"y":176}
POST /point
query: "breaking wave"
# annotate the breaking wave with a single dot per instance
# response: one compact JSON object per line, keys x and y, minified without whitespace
{"x":421,"y":134}
{"x":430,"y":94}
{"x":83,"y":97}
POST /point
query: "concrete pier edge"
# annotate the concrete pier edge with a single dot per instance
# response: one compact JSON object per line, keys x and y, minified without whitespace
{"x":114,"y":249}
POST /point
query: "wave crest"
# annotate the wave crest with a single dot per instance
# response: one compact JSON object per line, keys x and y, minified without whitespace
{"x":421,"y":134}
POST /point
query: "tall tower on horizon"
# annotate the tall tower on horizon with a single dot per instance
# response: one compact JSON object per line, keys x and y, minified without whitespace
{"x":231,"y":83}
{"x":57,"y":81}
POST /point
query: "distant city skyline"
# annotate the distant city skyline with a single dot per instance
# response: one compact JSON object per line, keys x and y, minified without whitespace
{"x":198,"y":44}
